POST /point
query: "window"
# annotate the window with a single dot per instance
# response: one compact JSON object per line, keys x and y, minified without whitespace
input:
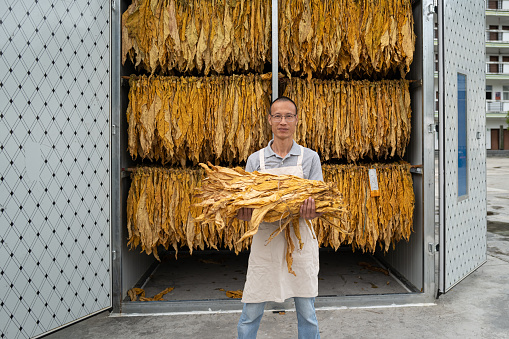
{"x":493,"y":34}
{"x":489,"y":92}
{"x":505,"y":93}
{"x":493,"y":65}
{"x":462,"y":136}
{"x":504,"y":66}
{"x":505,"y":33}
{"x":492,"y":4}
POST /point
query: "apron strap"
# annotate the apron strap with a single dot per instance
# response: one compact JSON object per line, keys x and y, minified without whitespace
{"x":262,"y":159}
{"x":301,"y":156}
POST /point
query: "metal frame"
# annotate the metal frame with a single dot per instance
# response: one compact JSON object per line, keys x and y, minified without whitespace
{"x":428,"y":147}
{"x":441,"y":140}
{"x":275,"y":50}
{"x":127,"y":266}
{"x":423,"y":101}
{"x":428,"y":156}
{"x":224,"y":305}
{"x":115,"y":112}
{"x":416,"y":252}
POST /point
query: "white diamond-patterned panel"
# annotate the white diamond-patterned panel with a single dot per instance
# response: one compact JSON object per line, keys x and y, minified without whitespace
{"x":465,"y":231}
{"x":54,"y":164}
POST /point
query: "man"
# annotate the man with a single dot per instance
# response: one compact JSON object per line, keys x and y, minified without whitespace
{"x":267,"y":275}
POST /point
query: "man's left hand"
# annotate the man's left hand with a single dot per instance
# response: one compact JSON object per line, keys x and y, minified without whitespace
{"x":308,"y":209}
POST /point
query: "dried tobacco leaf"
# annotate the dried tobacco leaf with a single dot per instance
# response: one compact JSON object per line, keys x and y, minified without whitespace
{"x":134,"y":292}
{"x":232,"y":294}
{"x":158,"y":296}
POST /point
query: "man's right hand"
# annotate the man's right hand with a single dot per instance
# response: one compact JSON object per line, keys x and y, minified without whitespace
{"x":245,"y":213}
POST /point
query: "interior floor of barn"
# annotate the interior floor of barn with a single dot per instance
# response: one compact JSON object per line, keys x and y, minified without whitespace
{"x":207,"y":275}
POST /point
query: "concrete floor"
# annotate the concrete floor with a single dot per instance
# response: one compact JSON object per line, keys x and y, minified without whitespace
{"x":478,"y":307}
{"x":498,"y":207}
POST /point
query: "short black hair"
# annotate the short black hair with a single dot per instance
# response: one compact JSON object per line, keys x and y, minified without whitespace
{"x":282,"y":99}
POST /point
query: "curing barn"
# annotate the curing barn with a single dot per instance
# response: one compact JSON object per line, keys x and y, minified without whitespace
{"x":109,"y":107}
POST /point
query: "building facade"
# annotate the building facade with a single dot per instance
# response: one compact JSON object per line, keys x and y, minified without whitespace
{"x":497,"y":75}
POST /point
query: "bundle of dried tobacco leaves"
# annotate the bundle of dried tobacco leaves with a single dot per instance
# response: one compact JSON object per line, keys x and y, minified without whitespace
{"x":204,"y":36}
{"x":272,"y":197}
{"x":224,"y":118}
{"x":161,"y":210}
{"x":175,"y":119}
{"x":332,"y":38}
{"x":352,"y":120}
{"x":372,"y":220}
{"x":346,"y":38}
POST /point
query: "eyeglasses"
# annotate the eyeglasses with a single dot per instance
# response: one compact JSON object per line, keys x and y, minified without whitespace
{"x":288,"y":117}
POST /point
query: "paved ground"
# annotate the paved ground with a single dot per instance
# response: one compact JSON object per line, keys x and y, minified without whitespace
{"x":498,"y":207}
{"x":478,"y":307}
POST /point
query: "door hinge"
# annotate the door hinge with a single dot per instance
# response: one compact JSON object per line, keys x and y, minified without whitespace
{"x":432,"y":9}
{"x":433,"y":247}
{"x":416,"y":83}
{"x":113,"y":129}
{"x":417,"y":170}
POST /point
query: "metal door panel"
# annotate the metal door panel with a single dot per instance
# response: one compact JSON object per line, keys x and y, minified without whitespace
{"x":462,"y":216}
{"x":54,"y":164}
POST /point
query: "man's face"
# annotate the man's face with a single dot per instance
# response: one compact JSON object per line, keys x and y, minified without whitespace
{"x":283,"y":129}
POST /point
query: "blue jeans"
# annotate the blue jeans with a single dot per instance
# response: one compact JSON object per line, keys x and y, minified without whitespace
{"x":307,"y":323}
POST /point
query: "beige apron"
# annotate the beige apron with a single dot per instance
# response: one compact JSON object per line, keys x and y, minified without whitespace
{"x":267,"y":274}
